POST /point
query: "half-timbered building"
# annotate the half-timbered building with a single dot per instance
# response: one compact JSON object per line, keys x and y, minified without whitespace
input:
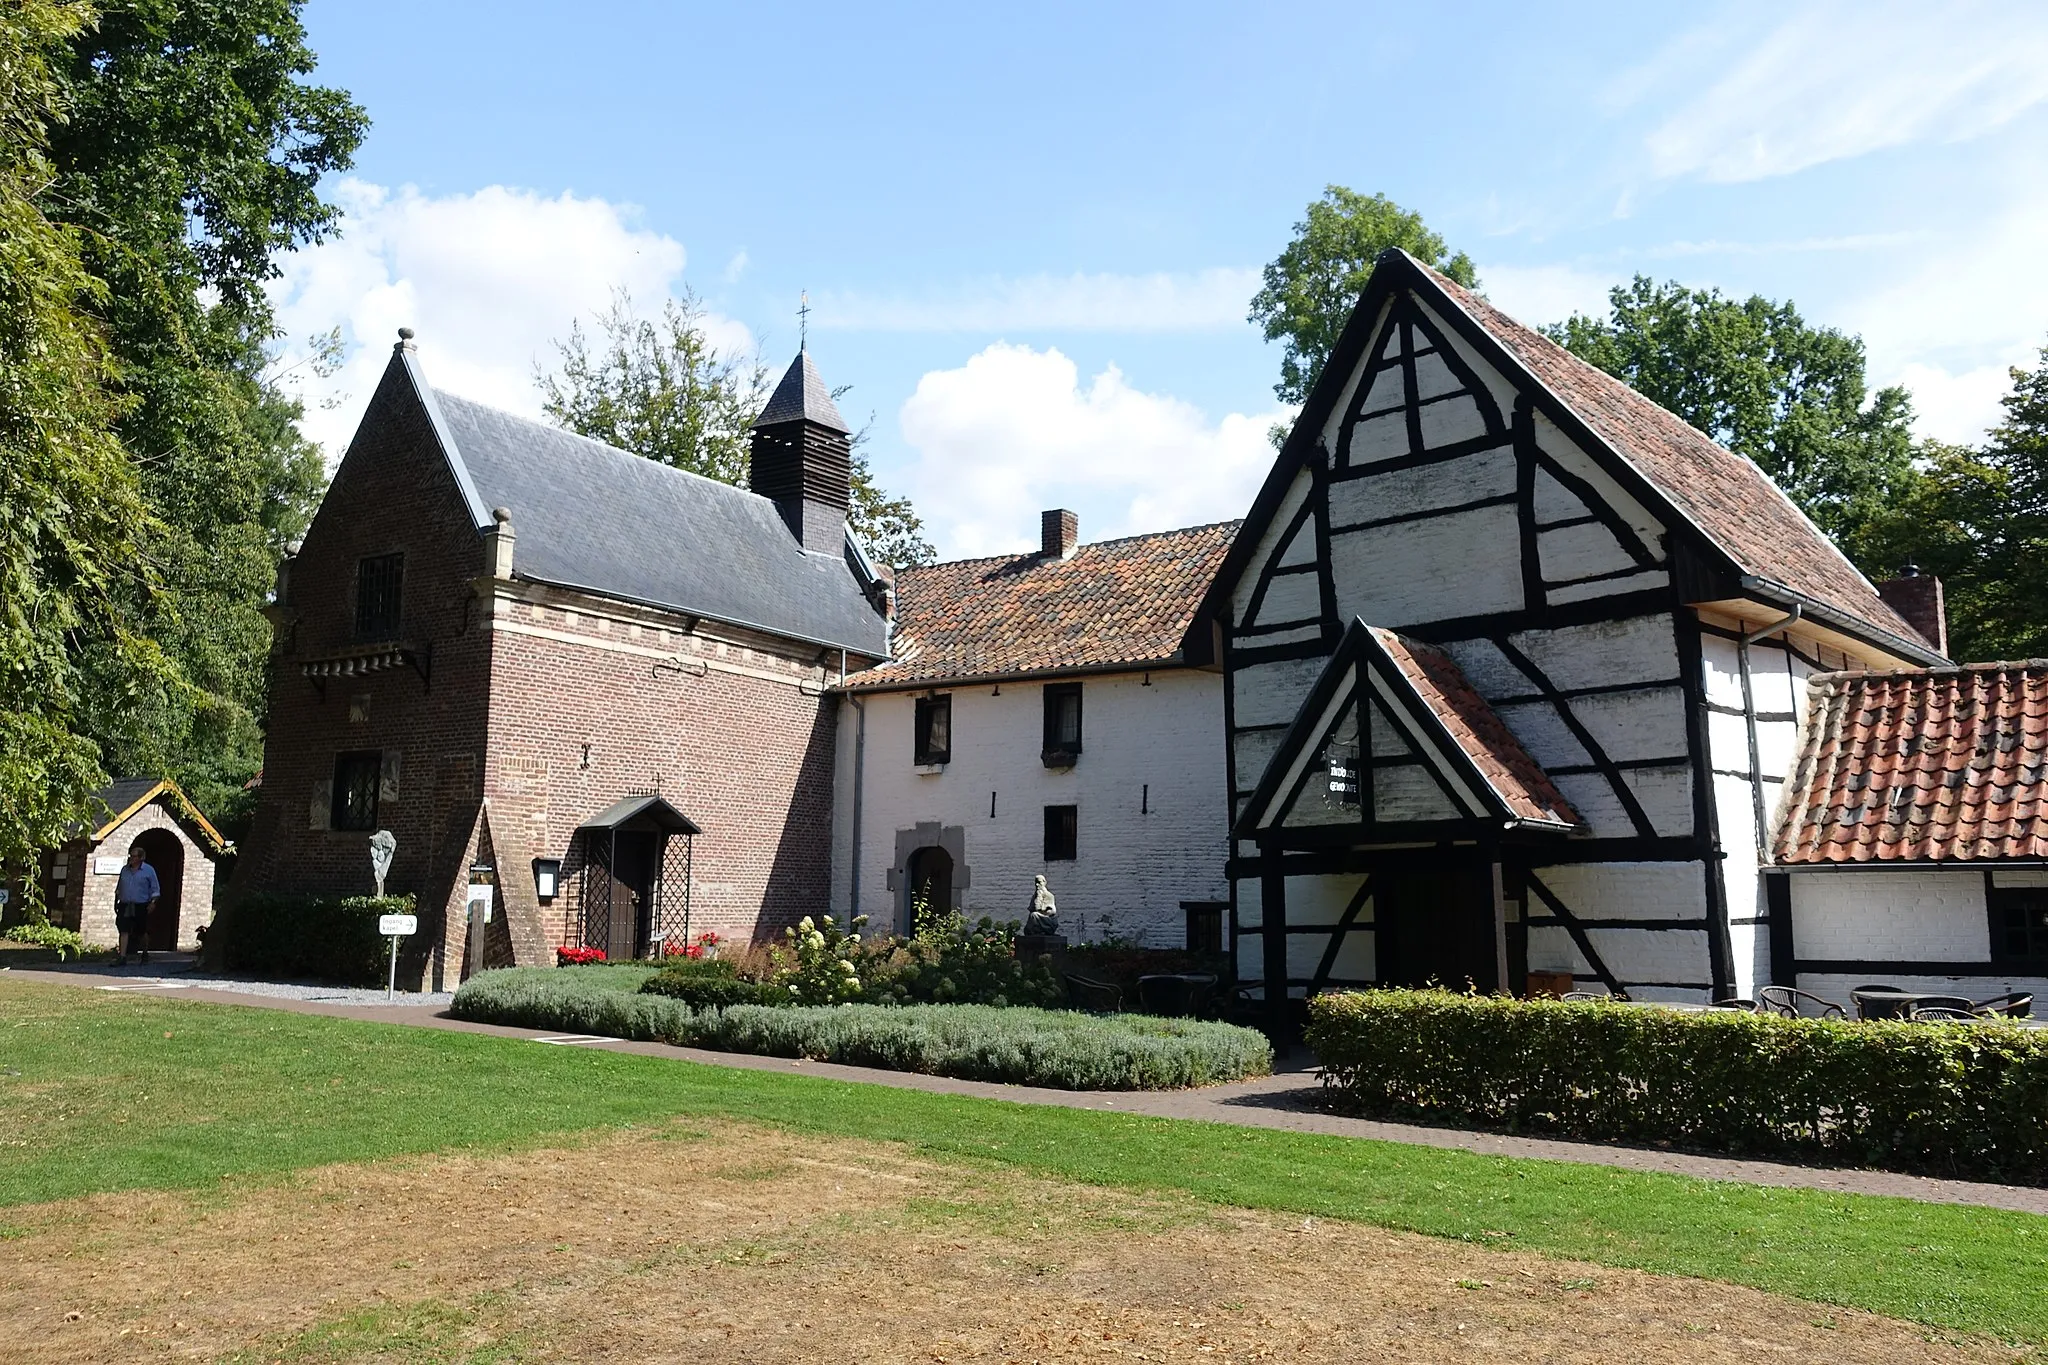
{"x":1512,"y":658}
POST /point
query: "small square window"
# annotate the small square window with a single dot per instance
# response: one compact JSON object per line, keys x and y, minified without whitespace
{"x":355,"y":790}
{"x":933,"y":742}
{"x":1062,"y":833}
{"x":378,"y":580}
{"x":2019,"y":924}
{"x":1062,"y":724}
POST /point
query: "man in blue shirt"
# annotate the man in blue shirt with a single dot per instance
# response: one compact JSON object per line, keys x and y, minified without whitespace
{"x":134,"y":898}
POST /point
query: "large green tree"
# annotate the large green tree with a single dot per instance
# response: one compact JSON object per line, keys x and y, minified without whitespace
{"x":1311,"y":287}
{"x":661,"y":388}
{"x":1978,"y":518}
{"x":70,"y":511}
{"x":1758,"y":378}
{"x":191,"y":156}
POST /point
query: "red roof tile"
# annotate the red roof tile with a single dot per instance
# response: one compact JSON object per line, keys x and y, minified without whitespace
{"x":1726,"y":496}
{"x":1921,"y":765}
{"x":1116,"y":602}
{"x":1477,"y":730}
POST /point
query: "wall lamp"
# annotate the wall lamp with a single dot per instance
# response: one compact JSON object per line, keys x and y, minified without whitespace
{"x":547,"y":877}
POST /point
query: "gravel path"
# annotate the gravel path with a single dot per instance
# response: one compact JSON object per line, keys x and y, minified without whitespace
{"x":173,"y":972}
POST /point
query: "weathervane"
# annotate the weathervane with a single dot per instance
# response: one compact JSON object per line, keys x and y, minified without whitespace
{"x":803,"y":321}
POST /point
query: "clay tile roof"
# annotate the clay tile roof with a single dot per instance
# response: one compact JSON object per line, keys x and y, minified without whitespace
{"x":1114,"y":602}
{"x":1474,"y":727}
{"x":1726,"y":496}
{"x":1921,"y":765}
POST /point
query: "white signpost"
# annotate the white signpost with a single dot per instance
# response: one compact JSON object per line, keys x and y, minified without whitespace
{"x":395,"y":927}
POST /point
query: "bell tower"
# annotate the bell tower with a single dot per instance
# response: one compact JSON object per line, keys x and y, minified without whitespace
{"x":802,"y":458}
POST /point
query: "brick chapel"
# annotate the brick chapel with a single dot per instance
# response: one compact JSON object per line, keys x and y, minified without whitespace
{"x":593,"y":682}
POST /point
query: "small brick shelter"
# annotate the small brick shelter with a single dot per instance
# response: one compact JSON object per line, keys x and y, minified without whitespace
{"x":78,"y":880}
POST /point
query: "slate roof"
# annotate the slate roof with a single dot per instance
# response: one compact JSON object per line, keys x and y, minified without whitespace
{"x":1725,"y":496}
{"x":802,"y":396}
{"x":1921,"y":765}
{"x":1523,"y":787}
{"x":1115,"y":602}
{"x":590,"y":516}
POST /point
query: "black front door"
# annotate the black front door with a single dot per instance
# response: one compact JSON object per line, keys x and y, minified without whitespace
{"x":634,"y":859}
{"x":1434,"y":926}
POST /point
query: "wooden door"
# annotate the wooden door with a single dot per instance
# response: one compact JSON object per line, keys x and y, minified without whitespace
{"x":633,"y":874}
{"x":1434,"y":926}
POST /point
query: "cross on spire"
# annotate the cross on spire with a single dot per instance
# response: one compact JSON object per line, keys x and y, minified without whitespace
{"x":803,"y":321}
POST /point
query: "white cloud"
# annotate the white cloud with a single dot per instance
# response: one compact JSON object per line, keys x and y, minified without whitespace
{"x":1015,"y":430}
{"x":1538,"y":294}
{"x":488,"y":280}
{"x":1161,"y":302}
{"x":1836,"y":79}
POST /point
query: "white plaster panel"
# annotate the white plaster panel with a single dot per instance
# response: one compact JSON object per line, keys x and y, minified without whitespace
{"x":1496,"y":383}
{"x":1543,"y":733}
{"x":1292,"y":635}
{"x":1735,"y":811}
{"x":1555,"y":502}
{"x":1596,"y":804}
{"x":1149,"y":787}
{"x":1728,"y":741}
{"x":1639,"y":648}
{"x":1672,"y":956}
{"x":1463,"y":564}
{"x":1398,"y":492}
{"x":1387,"y":742}
{"x":1721,"y":671}
{"x":1270,"y":542}
{"x":1320,"y":900}
{"x":1357,"y":959}
{"x":1301,"y":549}
{"x":1270,"y":693}
{"x":1630,"y":725}
{"x":1608,"y":587}
{"x":1345,"y":397}
{"x":1771,"y":680}
{"x":1388,"y":391}
{"x":1662,"y":891}
{"x":1488,"y":670}
{"x":1777,"y":746}
{"x":1451,"y":421}
{"x":1433,"y":377}
{"x":2019,"y":876}
{"x":1665,"y":795}
{"x":1290,"y":597}
{"x":1551,"y":950}
{"x":1249,"y":891}
{"x":1580,"y":552}
{"x":1379,"y":438}
{"x":1254,"y":750}
{"x":1911,"y":916}
{"x":1410,"y":794}
{"x":1576,"y":462}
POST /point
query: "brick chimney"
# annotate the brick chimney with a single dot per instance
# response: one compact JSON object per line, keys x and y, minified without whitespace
{"x":1058,"y":531}
{"x":1917,"y":597}
{"x":803,"y":458}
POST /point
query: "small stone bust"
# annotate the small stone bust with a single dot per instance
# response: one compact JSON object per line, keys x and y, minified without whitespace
{"x":1045,"y":914}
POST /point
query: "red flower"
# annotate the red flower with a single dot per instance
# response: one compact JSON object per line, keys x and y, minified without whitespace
{"x":577,"y":957}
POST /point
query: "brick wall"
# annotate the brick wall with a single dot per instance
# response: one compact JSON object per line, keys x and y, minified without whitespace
{"x":83,"y":899}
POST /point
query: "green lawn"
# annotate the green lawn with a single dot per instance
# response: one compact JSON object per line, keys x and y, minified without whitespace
{"x":118,"y":1092}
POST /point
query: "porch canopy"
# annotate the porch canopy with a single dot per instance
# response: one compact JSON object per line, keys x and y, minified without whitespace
{"x":634,"y":877}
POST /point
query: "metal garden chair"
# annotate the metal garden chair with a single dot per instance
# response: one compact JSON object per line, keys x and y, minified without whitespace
{"x":1792,"y":1003}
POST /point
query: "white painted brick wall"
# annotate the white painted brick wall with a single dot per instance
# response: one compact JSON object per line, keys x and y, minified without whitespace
{"x":1141,"y":852}
{"x":1922,"y":916}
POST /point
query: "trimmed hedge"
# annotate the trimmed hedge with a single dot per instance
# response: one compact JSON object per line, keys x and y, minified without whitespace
{"x":314,"y":938}
{"x":1964,"y":1100}
{"x":709,"y":984}
{"x":1019,"y":1046}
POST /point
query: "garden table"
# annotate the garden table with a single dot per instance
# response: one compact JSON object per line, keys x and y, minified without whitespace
{"x":1175,"y":993}
{"x":1890,"y":1002}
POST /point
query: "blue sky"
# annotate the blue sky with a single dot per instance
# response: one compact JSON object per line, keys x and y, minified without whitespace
{"x":1029,"y":238}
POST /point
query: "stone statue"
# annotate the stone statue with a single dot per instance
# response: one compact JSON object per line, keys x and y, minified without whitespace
{"x":1045,"y":914}
{"x":382,"y":845}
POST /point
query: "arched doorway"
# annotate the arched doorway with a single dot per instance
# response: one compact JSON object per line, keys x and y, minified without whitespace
{"x":930,"y":883}
{"x":165,"y":852}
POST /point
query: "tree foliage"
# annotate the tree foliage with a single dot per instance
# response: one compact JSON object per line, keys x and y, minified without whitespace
{"x":190,"y":157}
{"x":661,"y":388}
{"x":70,"y":511}
{"x":1312,"y":286}
{"x":1978,"y":519}
{"x":1756,"y":377}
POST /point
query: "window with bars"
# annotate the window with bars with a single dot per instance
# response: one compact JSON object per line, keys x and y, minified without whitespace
{"x":2019,"y":924}
{"x":378,"y":581}
{"x":933,"y":740}
{"x":1062,"y":724}
{"x":1062,"y":833}
{"x":356,"y":777}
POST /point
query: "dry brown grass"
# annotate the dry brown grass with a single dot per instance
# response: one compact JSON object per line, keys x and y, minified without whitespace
{"x":730,"y":1243}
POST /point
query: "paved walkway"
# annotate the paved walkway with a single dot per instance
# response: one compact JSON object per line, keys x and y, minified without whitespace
{"x":1291,"y":1099}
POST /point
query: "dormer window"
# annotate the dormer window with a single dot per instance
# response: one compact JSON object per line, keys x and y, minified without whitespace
{"x":378,"y":581}
{"x":933,"y":738}
{"x":1062,"y":724}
